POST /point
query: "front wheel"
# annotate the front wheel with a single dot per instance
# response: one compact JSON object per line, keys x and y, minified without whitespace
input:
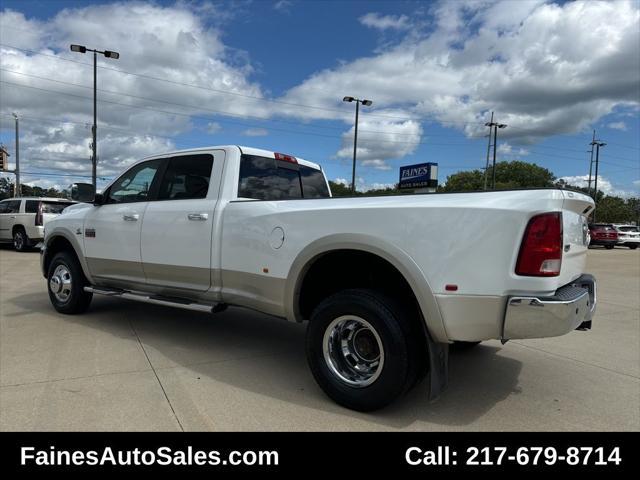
{"x":633,"y":246}
{"x":66,"y":282}
{"x":361,"y":349}
{"x":609,"y":247}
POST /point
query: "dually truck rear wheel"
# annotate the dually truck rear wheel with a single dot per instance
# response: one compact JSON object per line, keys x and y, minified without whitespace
{"x":360,"y":349}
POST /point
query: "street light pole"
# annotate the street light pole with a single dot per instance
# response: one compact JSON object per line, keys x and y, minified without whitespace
{"x":17,"y":171}
{"x":94,"y":128}
{"x":598,"y":144}
{"x":355,"y":148}
{"x":593,"y":139}
{"x":355,"y":137}
{"x":495,"y":126}
{"x":486,"y":167}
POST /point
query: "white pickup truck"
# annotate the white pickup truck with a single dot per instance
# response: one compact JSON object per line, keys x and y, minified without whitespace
{"x":386,"y":283}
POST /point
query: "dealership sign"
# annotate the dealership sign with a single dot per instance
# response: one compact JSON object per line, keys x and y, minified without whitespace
{"x":422,"y":175}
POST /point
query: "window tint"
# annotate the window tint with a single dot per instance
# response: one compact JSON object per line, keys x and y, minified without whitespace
{"x":3,"y":207}
{"x":134,"y":185}
{"x":629,"y":229}
{"x":263,"y":179}
{"x":186,"y":177}
{"x":31,"y":206}
{"x":13,"y":206}
{"x":313,"y":183}
{"x":54,"y":207}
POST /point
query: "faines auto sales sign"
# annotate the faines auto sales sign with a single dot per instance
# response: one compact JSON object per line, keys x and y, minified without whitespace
{"x":422,"y":175}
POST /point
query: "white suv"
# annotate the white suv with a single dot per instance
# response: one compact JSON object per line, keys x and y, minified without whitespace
{"x":628,"y":235}
{"x":22,"y":219}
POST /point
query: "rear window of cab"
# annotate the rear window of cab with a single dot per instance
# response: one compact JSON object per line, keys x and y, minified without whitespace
{"x":264,"y":178}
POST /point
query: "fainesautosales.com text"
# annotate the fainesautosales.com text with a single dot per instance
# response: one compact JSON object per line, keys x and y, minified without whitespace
{"x":137,"y":457}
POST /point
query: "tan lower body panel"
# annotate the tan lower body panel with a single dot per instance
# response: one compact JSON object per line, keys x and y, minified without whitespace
{"x":260,"y":292}
{"x":472,"y":317}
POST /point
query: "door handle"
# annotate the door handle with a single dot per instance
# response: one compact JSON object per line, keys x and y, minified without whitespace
{"x":198,"y":217}
{"x":12,"y":217}
{"x":132,"y":217}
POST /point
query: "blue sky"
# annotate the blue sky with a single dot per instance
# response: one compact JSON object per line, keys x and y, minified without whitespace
{"x":434,"y":71}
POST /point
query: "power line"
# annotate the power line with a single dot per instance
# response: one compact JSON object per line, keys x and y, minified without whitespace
{"x":189,"y":115}
{"x":224,"y":92}
{"x":197,"y":107}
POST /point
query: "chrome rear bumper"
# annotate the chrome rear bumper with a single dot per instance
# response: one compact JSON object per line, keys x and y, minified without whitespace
{"x":571,"y":307}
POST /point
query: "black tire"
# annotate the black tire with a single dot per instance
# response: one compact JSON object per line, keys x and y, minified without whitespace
{"x":461,"y":346}
{"x":403,"y":353}
{"x":632,"y":246}
{"x":21,"y":242}
{"x":77,"y":300}
{"x":609,"y":247}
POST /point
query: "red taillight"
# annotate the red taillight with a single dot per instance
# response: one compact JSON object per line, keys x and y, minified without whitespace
{"x":541,"y":250}
{"x":39,"y":215}
{"x":285,"y":158}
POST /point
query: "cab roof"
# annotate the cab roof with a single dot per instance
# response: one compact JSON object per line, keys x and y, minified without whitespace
{"x":245,"y":150}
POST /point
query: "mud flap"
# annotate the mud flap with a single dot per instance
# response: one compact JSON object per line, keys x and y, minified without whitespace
{"x":438,"y":367}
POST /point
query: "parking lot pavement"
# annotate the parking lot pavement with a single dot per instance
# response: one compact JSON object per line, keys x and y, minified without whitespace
{"x":131,"y":366}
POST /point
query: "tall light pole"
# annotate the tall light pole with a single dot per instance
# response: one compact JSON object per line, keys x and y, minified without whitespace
{"x":593,"y":139}
{"x":366,"y":103}
{"x":486,"y":167}
{"x":598,"y":144}
{"x":94,"y":128}
{"x":17,"y":171}
{"x":495,"y":126}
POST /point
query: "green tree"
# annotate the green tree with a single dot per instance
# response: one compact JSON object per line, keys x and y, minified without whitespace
{"x":6,"y":188}
{"x":515,"y":174}
{"x":339,"y":189}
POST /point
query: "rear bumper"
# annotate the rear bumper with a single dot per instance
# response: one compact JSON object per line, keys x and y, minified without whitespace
{"x":603,"y":242}
{"x":629,"y":241}
{"x":571,"y":307}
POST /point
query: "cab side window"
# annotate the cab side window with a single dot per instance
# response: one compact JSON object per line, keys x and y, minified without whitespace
{"x":136,"y":184}
{"x":3,"y":206}
{"x":186,"y":177}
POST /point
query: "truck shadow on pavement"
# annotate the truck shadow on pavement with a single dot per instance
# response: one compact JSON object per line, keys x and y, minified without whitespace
{"x":197,"y":357}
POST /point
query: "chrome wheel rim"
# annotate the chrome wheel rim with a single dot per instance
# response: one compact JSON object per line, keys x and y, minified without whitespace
{"x":353,"y":351}
{"x":18,"y":241}
{"x":61,"y":283}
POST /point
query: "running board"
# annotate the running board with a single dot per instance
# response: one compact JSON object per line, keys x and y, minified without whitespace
{"x":157,"y":300}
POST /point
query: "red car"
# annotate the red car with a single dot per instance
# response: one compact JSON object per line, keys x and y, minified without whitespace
{"x":603,"y":234}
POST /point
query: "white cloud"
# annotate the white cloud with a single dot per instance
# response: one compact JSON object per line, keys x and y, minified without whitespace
{"x":283,"y":5}
{"x":508,"y":151}
{"x":255,"y":132}
{"x":213,"y":127}
{"x":618,"y":126}
{"x":179,"y":43}
{"x":385,"y":22}
{"x":380,"y":141}
{"x":604,"y":185}
{"x":546,"y":69}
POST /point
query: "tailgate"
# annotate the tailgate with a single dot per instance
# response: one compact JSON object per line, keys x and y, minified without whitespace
{"x":575,"y":209}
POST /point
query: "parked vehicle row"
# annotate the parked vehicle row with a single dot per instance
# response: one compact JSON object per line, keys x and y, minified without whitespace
{"x":386,"y":283}
{"x":22,"y":220}
{"x":609,"y":235}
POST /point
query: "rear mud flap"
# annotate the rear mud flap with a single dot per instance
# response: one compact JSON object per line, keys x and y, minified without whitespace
{"x":438,"y":367}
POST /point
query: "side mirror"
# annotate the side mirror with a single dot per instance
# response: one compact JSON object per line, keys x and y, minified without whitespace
{"x":83,"y":192}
